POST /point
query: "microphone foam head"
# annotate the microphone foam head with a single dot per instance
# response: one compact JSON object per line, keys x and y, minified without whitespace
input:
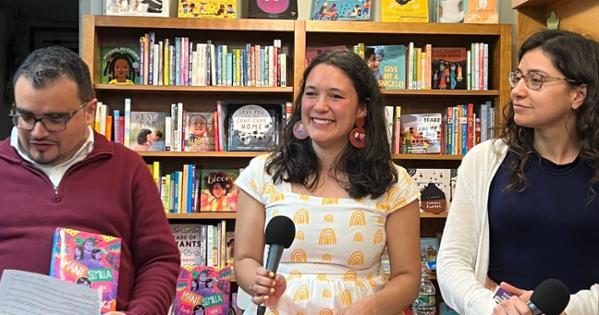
{"x":280,"y":230}
{"x":551,"y":296}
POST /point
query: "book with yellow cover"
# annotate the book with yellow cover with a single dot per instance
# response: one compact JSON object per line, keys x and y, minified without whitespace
{"x":404,"y":11}
{"x":481,"y":11}
{"x":221,"y":9}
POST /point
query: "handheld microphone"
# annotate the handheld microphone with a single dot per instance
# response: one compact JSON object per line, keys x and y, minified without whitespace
{"x":550,"y":297}
{"x":279,"y":235}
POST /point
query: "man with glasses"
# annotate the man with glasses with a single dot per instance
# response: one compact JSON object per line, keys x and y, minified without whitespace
{"x":56,"y":172}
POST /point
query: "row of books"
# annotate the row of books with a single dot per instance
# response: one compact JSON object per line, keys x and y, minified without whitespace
{"x":232,"y":127}
{"x":204,"y":244}
{"x":185,"y":62}
{"x":409,"y":67}
{"x":192,"y":189}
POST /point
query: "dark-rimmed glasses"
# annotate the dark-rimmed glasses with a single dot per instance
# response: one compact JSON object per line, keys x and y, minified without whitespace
{"x":52,"y":122}
{"x":533,"y":80}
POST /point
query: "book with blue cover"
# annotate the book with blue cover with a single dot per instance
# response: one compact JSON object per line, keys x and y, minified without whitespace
{"x":349,"y":10}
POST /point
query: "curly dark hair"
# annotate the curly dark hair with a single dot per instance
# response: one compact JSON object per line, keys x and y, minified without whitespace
{"x":370,"y":170}
{"x":576,"y":58}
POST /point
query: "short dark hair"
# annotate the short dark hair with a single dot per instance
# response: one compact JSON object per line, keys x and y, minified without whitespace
{"x":142,"y":136}
{"x":46,"y":65}
{"x":370,"y":171}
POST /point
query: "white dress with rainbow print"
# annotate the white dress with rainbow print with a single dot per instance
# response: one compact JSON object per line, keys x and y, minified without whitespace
{"x":335,"y":258}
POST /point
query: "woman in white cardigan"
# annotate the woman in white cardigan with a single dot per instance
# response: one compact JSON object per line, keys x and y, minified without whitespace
{"x":526,"y":203}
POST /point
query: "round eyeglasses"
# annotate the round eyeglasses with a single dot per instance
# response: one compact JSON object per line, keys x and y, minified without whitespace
{"x":533,"y":80}
{"x":55,"y":122}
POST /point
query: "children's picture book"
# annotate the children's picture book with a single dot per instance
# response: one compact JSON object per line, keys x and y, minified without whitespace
{"x":219,"y":192}
{"x":349,"y":10}
{"x":191,"y":240}
{"x":120,"y":62}
{"x":388,"y":65}
{"x":404,"y":11}
{"x":449,"y":68}
{"x":481,"y":11}
{"x":421,"y":133}
{"x":88,"y":259}
{"x":199,"y":131}
{"x":429,"y":246}
{"x":202,"y":290}
{"x":435,"y":187}
{"x":137,"y":7}
{"x":272,"y":9}
{"x":253,"y":127}
{"x":147,"y":131}
{"x":313,"y":52}
{"x":221,"y":9}
{"x":450,"y":11}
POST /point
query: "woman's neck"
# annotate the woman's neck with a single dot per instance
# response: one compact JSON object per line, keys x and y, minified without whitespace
{"x":557,"y":146}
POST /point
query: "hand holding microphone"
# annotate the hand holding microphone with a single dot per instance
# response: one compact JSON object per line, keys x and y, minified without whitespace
{"x":279,"y":235}
{"x":550,"y":297}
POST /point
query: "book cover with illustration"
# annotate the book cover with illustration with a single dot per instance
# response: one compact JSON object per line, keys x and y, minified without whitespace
{"x":88,"y":259}
{"x":191,"y":241}
{"x":220,"y":9}
{"x":435,"y":188}
{"x":253,"y":127}
{"x":272,"y":9}
{"x":450,"y":11}
{"x":147,"y":131}
{"x":448,"y":66}
{"x":421,"y":133}
{"x":199,"y":131}
{"x":313,"y":52}
{"x":202,"y":290}
{"x":120,"y":61}
{"x":388,"y":65}
{"x":137,"y":7}
{"x":481,"y":11}
{"x":429,"y":247}
{"x":349,"y":10}
{"x":404,"y":11}
{"x":219,"y":192}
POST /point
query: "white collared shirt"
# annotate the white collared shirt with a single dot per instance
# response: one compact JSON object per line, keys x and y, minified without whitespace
{"x":55,"y":172}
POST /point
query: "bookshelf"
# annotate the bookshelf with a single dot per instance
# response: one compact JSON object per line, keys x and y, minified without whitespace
{"x":576,"y":15}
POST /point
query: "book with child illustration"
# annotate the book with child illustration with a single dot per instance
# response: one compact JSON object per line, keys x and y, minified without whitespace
{"x":89,"y":259}
{"x":332,"y":10}
{"x":219,"y":192}
{"x":222,"y":9}
{"x":147,"y":131}
{"x":202,"y":288}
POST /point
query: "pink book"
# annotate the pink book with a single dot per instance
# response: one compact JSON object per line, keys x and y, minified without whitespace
{"x":89,"y":259}
{"x":203,"y":290}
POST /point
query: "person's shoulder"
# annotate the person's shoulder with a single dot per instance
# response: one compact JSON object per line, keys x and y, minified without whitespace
{"x":487,"y":149}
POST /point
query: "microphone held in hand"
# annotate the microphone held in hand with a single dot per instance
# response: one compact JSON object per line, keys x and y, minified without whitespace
{"x":550,"y":297}
{"x":279,"y":235}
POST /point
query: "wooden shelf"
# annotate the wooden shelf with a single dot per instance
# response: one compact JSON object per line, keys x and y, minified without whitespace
{"x":402,"y":28}
{"x":202,"y":216}
{"x":202,"y":89}
{"x":428,"y":215}
{"x":425,"y":157}
{"x":222,"y":154}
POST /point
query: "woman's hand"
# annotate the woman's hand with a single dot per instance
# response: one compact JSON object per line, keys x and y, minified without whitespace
{"x":266,"y":290}
{"x":515,"y":305}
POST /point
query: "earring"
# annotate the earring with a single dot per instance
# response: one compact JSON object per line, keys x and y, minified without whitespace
{"x":357,"y":136}
{"x":299,"y":132}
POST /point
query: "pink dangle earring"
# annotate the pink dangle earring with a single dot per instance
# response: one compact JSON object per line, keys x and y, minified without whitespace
{"x":357,"y":136}
{"x":299,"y":132}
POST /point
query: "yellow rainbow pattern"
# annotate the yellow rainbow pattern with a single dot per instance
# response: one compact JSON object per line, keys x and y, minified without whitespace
{"x":380,"y":220}
{"x":299,"y":235}
{"x":326,"y":258}
{"x":277,"y":197}
{"x":356,"y":259}
{"x":326,"y":294}
{"x":379,"y":236}
{"x":346,"y":298}
{"x":268,"y":189}
{"x":299,"y":256}
{"x":294,"y":274}
{"x":301,"y":216}
{"x":327,"y":237}
{"x":273,"y":311}
{"x":301,"y":294}
{"x":371,"y":280}
{"x":357,"y":218}
{"x":330,"y":201}
{"x":304,"y":197}
{"x":253,"y":185}
{"x":358,"y":237}
{"x":350,"y":276}
{"x":329,"y":218}
{"x":326,"y":311}
{"x":383,"y":205}
{"x":321,"y":277}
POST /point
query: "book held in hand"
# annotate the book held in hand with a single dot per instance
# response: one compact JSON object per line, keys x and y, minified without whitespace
{"x":203,"y":290}
{"x":88,"y":259}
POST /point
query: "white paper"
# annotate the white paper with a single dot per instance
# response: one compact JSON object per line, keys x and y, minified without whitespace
{"x":23,"y":292}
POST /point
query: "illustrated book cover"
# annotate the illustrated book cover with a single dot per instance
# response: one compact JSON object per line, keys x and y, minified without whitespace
{"x":147,"y":131}
{"x":120,"y":62}
{"x":191,"y":241}
{"x":272,"y":9}
{"x":219,"y":192}
{"x":137,"y":7}
{"x":220,"y":9}
{"x":450,"y":11}
{"x":202,"y":290}
{"x":420,"y":133}
{"x":435,"y":187}
{"x":89,"y":259}
{"x":388,"y":65}
{"x":199,"y":131}
{"x":449,"y":68}
{"x":481,"y":11}
{"x":253,"y":127}
{"x":429,"y":247}
{"x":349,"y":10}
{"x":404,"y":11}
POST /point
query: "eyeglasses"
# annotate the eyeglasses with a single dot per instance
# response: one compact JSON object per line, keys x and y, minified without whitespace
{"x":533,"y":80}
{"x":52,"y":122}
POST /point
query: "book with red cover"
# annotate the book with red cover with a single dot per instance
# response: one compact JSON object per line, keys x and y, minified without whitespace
{"x":88,"y":259}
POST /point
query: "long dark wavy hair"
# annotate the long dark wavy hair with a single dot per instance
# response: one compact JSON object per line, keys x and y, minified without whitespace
{"x":576,"y":57}
{"x":361,"y":172}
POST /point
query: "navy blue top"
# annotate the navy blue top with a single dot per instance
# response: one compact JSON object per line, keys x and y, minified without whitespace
{"x":545,"y":231}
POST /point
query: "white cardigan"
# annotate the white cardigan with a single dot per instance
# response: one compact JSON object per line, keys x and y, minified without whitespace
{"x":463,"y":259}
